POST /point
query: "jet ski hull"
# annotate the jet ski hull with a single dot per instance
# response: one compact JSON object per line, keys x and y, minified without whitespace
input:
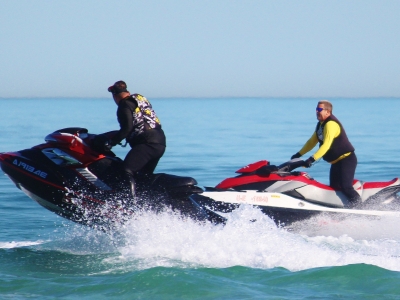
{"x":283,"y":209}
{"x":67,"y":176}
{"x":288,"y":196}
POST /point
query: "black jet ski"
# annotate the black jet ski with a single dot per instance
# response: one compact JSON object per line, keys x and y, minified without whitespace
{"x":71,"y":177}
{"x":288,"y":196}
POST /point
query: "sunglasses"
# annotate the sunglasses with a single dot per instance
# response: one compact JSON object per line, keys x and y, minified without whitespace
{"x":319,"y":109}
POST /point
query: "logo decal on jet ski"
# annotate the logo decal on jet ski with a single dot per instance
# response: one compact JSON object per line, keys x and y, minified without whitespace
{"x":241,"y":198}
{"x":29,"y":168}
{"x":263,"y":199}
{"x":253,"y":199}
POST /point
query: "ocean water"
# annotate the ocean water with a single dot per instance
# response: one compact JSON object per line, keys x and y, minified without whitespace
{"x":43,"y":256}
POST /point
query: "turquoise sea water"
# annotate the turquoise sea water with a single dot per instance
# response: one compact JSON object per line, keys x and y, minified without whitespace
{"x":43,"y":256}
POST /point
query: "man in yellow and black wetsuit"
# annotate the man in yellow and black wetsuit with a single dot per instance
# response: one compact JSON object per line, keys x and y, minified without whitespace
{"x":335,"y":148}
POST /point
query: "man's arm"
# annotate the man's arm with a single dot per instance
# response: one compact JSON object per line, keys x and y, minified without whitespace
{"x":125,"y":119}
{"x":309,"y":145}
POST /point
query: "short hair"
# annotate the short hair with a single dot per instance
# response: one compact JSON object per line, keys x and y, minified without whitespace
{"x":327,"y":105}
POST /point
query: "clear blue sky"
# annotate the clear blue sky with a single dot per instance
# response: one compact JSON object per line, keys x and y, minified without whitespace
{"x":203,"y":48}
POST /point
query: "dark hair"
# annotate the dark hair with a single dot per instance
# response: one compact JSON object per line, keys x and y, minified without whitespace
{"x":118,"y":87}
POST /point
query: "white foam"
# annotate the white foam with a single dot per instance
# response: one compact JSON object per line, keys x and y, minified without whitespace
{"x":354,"y":226}
{"x":13,"y":244}
{"x":167,"y":240}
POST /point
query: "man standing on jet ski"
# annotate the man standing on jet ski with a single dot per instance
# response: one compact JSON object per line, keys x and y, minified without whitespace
{"x":141,"y":128}
{"x":335,"y":148}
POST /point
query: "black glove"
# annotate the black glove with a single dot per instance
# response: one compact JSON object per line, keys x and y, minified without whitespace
{"x":297,"y":155}
{"x":309,"y":161}
{"x":101,"y":144}
{"x":107,"y":146}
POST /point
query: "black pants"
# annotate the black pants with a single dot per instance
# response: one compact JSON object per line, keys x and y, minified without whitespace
{"x":342,"y":175}
{"x":143,"y":158}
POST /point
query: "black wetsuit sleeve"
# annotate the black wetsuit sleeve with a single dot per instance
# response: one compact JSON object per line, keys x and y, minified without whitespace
{"x":125,"y":112}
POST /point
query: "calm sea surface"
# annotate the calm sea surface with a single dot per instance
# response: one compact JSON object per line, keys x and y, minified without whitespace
{"x":43,"y":256}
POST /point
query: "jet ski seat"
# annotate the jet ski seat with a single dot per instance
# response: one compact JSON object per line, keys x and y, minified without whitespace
{"x":173,"y":180}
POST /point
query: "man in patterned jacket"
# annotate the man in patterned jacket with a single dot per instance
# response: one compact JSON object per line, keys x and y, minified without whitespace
{"x":141,"y":128}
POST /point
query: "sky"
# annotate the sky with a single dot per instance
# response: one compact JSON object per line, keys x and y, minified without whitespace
{"x":200,"y":48}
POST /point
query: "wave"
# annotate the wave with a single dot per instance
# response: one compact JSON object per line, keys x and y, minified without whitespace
{"x":249,"y":239}
{"x":14,"y":244}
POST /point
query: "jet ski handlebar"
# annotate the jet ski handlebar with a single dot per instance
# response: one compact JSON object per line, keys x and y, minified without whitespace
{"x":291,"y":165}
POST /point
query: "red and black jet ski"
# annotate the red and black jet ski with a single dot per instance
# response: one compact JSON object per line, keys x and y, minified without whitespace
{"x":71,"y":177}
{"x":288,"y":196}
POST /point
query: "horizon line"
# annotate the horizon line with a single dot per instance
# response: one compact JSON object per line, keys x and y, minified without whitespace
{"x":220,"y":97}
